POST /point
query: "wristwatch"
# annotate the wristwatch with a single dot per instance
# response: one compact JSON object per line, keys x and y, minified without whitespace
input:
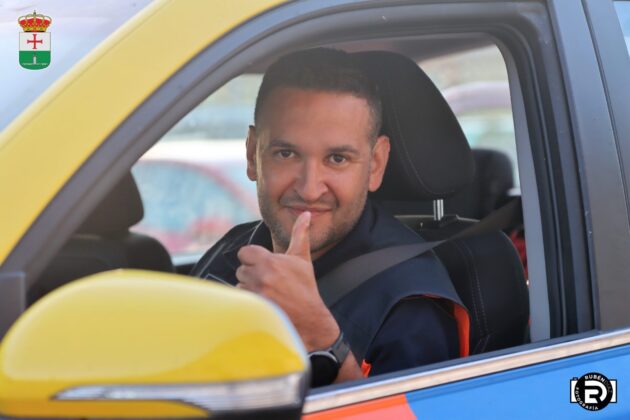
{"x":325,"y":364}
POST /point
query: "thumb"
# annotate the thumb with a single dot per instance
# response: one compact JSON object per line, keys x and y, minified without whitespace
{"x":300,"y":244}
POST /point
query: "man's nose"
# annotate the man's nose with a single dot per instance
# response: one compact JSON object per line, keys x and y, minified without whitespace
{"x":311,"y":184}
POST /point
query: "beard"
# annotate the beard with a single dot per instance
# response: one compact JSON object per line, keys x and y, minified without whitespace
{"x":343,"y":219}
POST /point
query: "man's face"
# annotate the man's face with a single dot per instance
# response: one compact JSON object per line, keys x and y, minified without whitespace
{"x":312,"y":152}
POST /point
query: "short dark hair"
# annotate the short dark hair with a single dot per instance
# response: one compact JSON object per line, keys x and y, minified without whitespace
{"x":321,"y":69}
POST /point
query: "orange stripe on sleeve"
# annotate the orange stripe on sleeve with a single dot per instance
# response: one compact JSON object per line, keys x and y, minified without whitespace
{"x":365,"y":368}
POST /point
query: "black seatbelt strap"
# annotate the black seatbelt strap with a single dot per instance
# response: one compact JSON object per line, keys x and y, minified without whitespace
{"x":351,"y":274}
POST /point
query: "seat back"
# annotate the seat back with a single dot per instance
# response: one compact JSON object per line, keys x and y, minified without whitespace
{"x":104,"y":242}
{"x":430,"y":160}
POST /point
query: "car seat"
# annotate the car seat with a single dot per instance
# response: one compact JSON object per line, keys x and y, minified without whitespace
{"x":430,"y":160}
{"x":104,"y":242}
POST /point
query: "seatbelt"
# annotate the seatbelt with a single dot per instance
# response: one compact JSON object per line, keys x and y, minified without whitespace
{"x":353,"y":273}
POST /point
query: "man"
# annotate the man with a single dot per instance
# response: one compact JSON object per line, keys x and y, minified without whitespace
{"x":315,"y":152}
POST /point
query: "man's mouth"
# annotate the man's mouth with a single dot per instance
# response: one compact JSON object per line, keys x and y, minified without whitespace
{"x":315,"y":211}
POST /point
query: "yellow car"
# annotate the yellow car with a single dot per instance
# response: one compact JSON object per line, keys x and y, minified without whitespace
{"x":96,"y":322}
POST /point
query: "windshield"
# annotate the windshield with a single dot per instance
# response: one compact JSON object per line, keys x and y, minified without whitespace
{"x":77,"y":27}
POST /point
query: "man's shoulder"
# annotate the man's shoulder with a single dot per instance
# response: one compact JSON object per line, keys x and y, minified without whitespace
{"x":389,"y":231}
{"x":239,"y":234}
{"x":235,"y":238}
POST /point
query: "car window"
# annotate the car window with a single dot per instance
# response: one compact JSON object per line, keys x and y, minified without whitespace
{"x":475,"y":84}
{"x":77,"y":27}
{"x":623,"y":12}
{"x":193,"y":182}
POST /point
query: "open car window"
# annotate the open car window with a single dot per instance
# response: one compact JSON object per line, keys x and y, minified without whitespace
{"x":193,"y":181}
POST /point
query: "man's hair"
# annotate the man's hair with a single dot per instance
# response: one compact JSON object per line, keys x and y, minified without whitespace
{"x":321,"y":69}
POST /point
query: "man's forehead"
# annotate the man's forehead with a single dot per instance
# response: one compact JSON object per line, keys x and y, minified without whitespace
{"x":282,"y":94}
{"x":320,"y":109}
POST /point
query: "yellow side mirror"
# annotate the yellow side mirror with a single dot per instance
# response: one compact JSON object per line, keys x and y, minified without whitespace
{"x":132,"y":343}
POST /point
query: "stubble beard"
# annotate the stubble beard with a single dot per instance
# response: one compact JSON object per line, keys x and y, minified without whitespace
{"x":331,"y":235}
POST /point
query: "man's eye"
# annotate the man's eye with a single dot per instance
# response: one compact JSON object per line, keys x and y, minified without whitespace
{"x":337,"y":159}
{"x":285,"y":154}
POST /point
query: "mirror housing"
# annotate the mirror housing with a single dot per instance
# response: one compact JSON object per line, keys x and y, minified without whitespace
{"x":130,"y":343}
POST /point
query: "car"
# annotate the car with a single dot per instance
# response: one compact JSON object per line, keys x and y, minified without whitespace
{"x":142,"y":341}
{"x":193,"y":192}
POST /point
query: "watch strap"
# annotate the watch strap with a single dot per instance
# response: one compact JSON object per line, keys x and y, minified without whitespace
{"x":338,"y":350}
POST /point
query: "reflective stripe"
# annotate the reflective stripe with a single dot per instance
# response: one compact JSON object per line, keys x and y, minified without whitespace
{"x":365,"y":368}
{"x":463,"y":329}
{"x":460,"y":313}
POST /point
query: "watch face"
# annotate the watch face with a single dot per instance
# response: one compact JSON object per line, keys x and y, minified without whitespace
{"x":324,"y":369}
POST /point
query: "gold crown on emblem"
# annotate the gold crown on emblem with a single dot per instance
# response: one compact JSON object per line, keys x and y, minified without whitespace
{"x":34,"y":22}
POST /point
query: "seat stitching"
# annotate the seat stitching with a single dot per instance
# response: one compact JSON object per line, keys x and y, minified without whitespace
{"x":521,"y":292}
{"x":481,"y":348}
{"x":469,"y":273}
{"x":478,"y":284}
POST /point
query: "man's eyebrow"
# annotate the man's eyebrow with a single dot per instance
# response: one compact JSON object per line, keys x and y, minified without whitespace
{"x":280,"y":143}
{"x":344,"y":149}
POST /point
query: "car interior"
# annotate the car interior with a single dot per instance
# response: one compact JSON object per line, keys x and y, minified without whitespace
{"x":435,"y":183}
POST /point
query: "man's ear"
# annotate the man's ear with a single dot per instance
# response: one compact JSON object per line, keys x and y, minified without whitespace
{"x":380,"y":156}
{"x":251,"y":153}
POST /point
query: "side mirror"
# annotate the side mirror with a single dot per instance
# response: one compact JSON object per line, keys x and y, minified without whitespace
{"x":131,"y":343}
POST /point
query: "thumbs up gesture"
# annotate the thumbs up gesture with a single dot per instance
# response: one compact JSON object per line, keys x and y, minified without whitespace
{"x":289,"y":280}
{"x":300,"y":245}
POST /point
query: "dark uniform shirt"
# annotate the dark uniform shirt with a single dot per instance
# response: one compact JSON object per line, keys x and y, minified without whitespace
{"x":418,"y":330}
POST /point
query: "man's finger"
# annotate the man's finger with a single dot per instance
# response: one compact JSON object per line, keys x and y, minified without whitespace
{"x":245,"y":277}
{"x":300,"y":244}
{"x":251,"y":254}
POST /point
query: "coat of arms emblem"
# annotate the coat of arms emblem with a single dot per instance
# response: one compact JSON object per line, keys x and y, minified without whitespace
{"x":34,"y":41}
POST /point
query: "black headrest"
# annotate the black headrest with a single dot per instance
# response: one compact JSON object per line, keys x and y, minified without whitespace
{"x":430,"y":157}
{"x":489,"y":189}
{"x":120,"y":209}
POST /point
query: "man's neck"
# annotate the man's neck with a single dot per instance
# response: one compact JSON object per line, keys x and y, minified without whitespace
{"x":277,"y":249}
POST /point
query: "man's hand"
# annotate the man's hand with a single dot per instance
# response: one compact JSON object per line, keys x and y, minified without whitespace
{"x":289,"y":280}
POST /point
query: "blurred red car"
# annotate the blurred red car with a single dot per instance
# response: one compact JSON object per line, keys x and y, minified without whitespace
{"x":192,"y":194}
